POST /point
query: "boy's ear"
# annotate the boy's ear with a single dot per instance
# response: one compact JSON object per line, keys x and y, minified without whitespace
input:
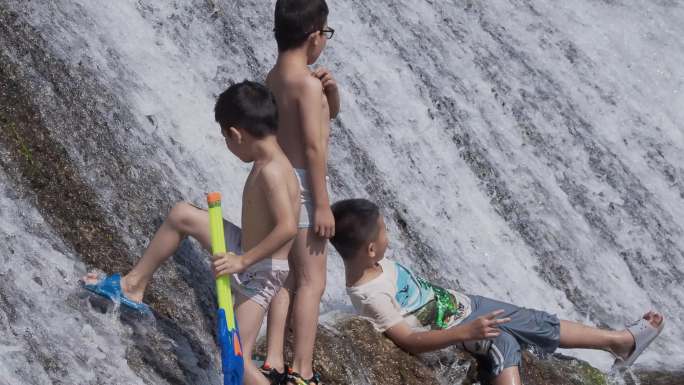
{"x":371,"y":248}
{"x":235,"y":134}
{"x":312,"y":38}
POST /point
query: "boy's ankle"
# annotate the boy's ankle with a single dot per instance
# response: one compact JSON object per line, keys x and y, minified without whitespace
{"x":132,"y":288}
{"x":278,"y":366}
{"x":623,"y":344}
{"x":304,"y":374}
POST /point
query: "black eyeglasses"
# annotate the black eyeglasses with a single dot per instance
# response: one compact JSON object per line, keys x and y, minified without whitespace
{"x":327,"y":32}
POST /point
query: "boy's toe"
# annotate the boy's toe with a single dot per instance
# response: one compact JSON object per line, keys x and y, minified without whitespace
{"x":90,"y":278}
{"x":654,"y":318}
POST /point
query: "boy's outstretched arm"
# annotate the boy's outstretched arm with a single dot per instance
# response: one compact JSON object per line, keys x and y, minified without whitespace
{"x":272,"y":183}
{"x":310,"y":105}
{"x":484,"y":327}
{"x":330,"y":88}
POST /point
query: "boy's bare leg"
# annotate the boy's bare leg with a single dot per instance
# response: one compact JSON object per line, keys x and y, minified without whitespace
{"x":183,"y":220}
{"x":574,"y":335}
{"x":250,"y":315}
{"x":509,"y":376}
{"x":309,"y":260}
{"x":276,"y":331}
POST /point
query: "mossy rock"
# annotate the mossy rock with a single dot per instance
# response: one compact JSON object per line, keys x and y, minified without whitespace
{"x":560,"y":370}
{"x":349,"y":351}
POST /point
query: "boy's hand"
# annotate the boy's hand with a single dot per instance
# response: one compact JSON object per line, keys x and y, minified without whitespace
{"x":324,"y":222}
{"x":327,"y":80}
{"x":330,"y":89}
{"x":227,"y":263}
{"x":485,"y":327}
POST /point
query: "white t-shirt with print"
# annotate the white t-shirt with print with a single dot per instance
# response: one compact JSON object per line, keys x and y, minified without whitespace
{"x":396,"y":295}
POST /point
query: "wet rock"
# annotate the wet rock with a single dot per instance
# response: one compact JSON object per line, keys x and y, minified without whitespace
{"x":36,"y":151}
{"x":349,"y":351}
{"x":560,"y":370}
{"x":649,"y":377}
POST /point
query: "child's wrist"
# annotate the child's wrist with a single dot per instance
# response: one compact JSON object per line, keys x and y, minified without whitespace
{"x":322,"y":206}
{"x":242,"y":261}
{"x":457,"y":334}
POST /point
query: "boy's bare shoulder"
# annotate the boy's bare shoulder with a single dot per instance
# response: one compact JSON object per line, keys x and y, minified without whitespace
{"x":309,"y":83}
{"x":306,"y":89}
{"x":293,"y":83}
{"x":301,"y":82}
{"x":275,"y":173}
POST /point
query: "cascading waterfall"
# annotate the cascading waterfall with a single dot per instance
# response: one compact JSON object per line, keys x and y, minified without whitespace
{"x":526,"y":150}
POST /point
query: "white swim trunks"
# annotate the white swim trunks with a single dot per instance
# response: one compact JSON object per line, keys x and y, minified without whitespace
{"x":261,"y":281}
{"x":306,"y":212}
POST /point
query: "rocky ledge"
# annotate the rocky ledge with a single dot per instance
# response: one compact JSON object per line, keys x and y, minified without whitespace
{"x":350,"y":351}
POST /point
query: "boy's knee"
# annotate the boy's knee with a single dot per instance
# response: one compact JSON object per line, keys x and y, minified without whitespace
{"x":505,"y":352}
{"x":180,"y":215}
{"x":314,"y":285}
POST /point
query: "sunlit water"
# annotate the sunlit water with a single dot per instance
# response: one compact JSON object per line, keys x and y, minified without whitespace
{"x":526,"y":150}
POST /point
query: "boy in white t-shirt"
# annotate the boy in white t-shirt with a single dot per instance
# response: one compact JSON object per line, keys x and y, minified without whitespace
{"x":419,"y":316}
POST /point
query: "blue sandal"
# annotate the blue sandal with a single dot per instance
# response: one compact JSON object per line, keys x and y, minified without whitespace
{"x":110,"y":288}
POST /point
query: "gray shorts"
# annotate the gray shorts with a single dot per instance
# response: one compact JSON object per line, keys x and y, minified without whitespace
{"x":527,"y":327}
{"x":306,"y":212}
{"x":259,"y":282}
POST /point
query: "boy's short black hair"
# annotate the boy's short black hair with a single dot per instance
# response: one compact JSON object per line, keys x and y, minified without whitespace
{"x":356,"y":224}
{"x":250,"y":106}
{"x":296,"y":19}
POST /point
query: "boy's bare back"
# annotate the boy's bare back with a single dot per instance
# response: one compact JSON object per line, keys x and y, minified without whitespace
{"x":293,"y":87}
{"x":271,"y":189}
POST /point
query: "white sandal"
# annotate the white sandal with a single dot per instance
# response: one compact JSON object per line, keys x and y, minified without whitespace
{"x":644,"y":333}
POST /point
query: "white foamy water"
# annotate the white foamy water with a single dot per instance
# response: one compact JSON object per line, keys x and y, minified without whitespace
{"x":533,"y":149}
{"x":48,"y":331}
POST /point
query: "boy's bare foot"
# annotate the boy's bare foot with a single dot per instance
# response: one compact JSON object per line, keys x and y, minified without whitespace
{"x":625,"y":344}
{"x":128,"y":289}
{"x":90,"y":278}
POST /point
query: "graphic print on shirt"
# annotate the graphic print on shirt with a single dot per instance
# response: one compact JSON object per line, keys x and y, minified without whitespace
{"x":411,"y":295}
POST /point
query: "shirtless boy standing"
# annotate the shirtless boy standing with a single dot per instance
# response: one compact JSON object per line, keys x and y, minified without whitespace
{"x":307,"y":101}
{"x":258,"y":254}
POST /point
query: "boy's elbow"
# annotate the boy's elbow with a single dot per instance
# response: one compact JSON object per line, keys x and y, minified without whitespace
{"x":404,"y":345}
{"x":409,"y":349}
{"x":291,"y":230}
{"x":412,"y":347}
{"x":312,"y":151}
{"x":287,"y":230}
